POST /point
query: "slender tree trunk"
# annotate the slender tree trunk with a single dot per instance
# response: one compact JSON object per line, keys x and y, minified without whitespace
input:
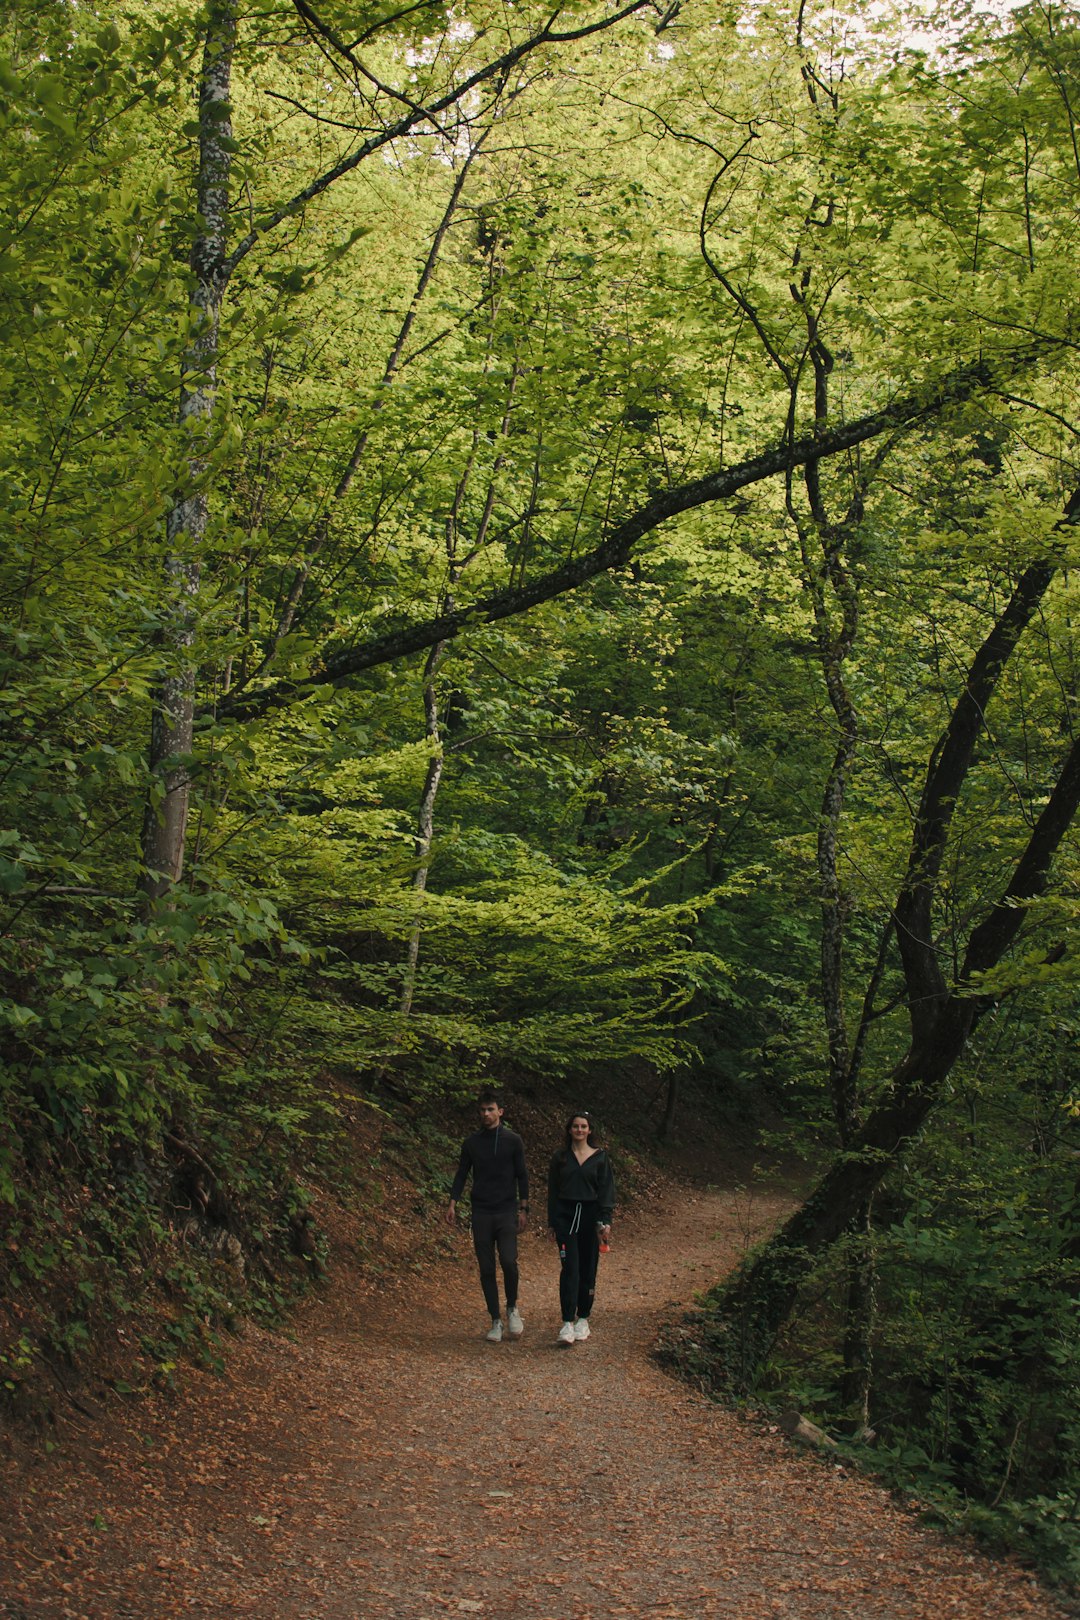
{"x":834,"y":593}
{"x":667,"y":1124}
{"x":425,"y":825}
{"x":172,"y":716}
{"x":859,"y":1305}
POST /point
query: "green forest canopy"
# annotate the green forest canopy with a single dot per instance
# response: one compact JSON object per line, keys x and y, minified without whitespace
{"x":536,"y":538}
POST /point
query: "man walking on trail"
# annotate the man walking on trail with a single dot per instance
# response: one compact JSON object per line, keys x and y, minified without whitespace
{"x":495,"y":1156}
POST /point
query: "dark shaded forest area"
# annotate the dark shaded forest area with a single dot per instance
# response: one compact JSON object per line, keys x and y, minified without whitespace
{"x":538,"y":543}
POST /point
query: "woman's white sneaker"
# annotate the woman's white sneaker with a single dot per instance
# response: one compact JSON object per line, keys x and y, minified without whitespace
{"x":494,"y":1335}
{"x":515,"y":1326}
{"x":566,"y":1333}
{"x":581,"y":1328}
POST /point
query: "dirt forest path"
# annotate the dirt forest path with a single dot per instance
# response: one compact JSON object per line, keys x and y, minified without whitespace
{"x":388,"y":1462}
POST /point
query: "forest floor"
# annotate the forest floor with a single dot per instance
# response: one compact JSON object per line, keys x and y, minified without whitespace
{"x":381,"y":1459}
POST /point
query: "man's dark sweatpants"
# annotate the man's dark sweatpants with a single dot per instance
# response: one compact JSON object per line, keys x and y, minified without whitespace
{"x":496,"y":1229}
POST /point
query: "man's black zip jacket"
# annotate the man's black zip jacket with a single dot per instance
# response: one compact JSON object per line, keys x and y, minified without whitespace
{"x":496,"y":1157}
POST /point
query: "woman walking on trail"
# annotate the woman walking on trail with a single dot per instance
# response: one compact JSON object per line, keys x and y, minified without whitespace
{"x":581,"y":1198}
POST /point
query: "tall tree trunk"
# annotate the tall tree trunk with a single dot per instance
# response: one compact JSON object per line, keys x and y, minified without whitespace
{"x":425,"y":825}
{"x":859,"y":1302}
{"x":667,"y":1124}
{"x":173,"y":713}
{"x":835,"y":598}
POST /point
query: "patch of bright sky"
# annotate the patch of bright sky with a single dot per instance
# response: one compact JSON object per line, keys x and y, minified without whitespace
{"x":879,"y":30}
{"x":459,"y":31}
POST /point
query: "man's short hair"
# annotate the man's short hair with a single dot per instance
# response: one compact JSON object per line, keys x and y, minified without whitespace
{"x":490,"y":1094}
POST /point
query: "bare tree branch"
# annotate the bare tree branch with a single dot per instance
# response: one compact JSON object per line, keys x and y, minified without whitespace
{"x":415,"y":115}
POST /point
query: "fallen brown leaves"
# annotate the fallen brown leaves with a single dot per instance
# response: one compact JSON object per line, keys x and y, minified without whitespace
{"x":388,"y":1462}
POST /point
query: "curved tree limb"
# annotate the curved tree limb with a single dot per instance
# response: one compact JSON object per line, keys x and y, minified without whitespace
{"x":616,"y":549}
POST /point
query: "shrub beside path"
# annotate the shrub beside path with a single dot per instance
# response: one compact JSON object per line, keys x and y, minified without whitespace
{"x":389,"y":1462}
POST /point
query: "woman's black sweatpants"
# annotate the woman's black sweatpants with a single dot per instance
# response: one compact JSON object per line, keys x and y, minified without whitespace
{"x":496,"y":1229}
{"x":578,"y":1237}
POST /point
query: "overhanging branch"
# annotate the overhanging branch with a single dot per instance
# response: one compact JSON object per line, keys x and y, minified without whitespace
{"x":617,"y":548}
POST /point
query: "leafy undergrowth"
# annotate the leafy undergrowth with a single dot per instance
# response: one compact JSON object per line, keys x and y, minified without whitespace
{"x":1006,"y":1443}
{"x":114,"y":1274}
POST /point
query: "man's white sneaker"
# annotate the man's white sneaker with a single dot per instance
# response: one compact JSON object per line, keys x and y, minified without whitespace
{"x":495,"y":1332}
{"x":566,"y":1333}
{"x":581,"y":1328}
{"x":514,"y":1324}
